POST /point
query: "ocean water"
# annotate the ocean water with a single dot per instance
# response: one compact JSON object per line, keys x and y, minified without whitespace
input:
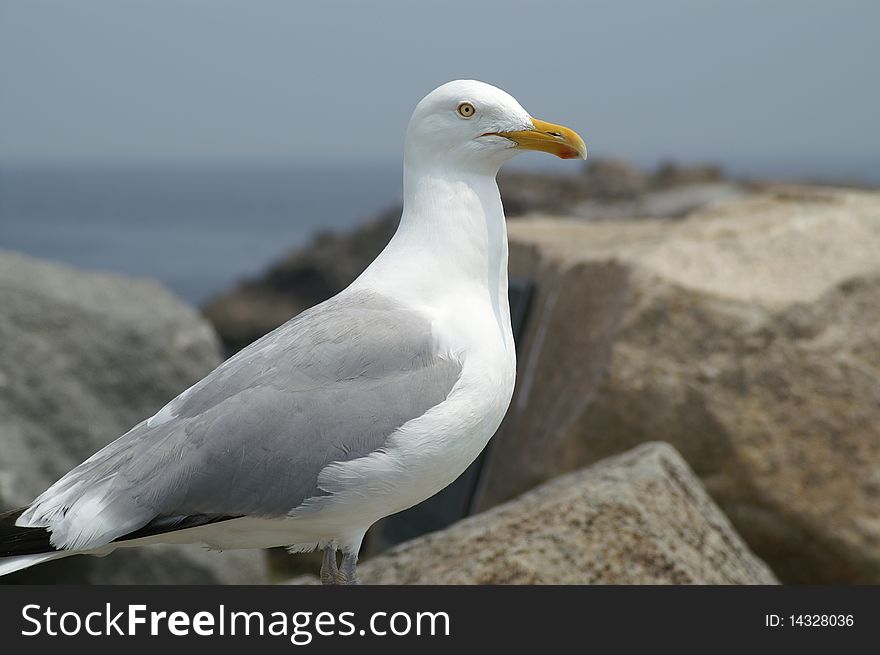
{"x":196,"y":228}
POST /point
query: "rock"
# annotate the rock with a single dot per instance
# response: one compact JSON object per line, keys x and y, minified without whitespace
{"x":638,"y":518}
{"x":745,"y":335}
{"x":674,"y":202}
{"x":614,"y":179}
{"x":669,"y":174}
{"x":613,"y":189}
{"x":84,"y":357}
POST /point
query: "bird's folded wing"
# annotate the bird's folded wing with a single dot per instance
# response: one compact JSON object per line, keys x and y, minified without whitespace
{"x":251,"y":438}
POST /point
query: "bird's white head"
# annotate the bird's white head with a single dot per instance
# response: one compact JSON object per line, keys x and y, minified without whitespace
{"x":475,"y":126}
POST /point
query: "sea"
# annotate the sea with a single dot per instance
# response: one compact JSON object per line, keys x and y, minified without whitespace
{"x":200,"y":228}
{"x":197,"y":228}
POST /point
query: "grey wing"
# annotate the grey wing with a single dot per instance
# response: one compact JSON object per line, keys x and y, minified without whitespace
{"x":251,"y":438}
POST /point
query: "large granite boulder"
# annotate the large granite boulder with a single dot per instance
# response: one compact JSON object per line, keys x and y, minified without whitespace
{"x":639,"y":518}
{"x":83,"y":357}
{"x":746,"y":335}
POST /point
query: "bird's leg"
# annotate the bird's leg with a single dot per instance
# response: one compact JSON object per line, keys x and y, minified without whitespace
{"x":329,"y":571}
{"x":348,"y":573}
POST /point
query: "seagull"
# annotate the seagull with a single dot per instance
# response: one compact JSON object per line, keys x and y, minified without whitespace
{"x":355,"y":409}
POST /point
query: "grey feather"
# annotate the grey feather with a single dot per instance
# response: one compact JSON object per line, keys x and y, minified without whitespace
{"x":250,"y":439}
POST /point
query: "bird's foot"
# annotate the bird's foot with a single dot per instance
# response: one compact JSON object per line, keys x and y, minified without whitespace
{"x":329,"y":570}
{"x":347,"y":574}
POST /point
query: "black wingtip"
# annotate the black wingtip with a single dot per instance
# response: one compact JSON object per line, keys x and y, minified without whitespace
{"x":15,"y":540}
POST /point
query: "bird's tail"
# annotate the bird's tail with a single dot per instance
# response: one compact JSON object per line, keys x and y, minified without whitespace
{"x":23,"y":547}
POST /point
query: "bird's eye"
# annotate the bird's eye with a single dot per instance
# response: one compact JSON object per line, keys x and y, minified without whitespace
{"x":466,"y":110}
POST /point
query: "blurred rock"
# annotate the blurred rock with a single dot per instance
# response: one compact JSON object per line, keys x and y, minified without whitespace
{"x":83,"y":357}
{"x":745,"y":335}
{"x":638,"y":518}
{"x":674,"y":202}
{"x":670,"y":174}
{"x":613,"y":189}
{"x":614,"y":179}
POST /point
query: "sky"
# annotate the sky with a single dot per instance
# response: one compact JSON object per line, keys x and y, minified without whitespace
{"x":162,"y":80}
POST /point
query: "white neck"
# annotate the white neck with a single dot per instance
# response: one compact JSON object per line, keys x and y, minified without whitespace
{"x":450,"y":250}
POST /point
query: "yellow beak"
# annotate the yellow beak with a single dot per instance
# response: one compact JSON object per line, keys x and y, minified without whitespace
{"x":547,"y":137}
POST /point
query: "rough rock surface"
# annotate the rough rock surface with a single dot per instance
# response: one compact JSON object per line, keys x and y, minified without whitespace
{"x":746,"y":335}
{"x":638,"y":518}
{"x":83,"y":357}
